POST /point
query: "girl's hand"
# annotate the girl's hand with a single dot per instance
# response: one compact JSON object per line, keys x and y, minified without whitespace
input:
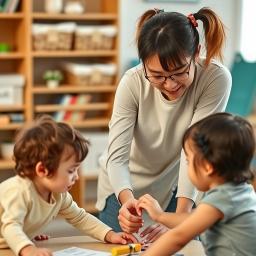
{"x":120,"y":238}
{"x":129,"y":219}
{"x":32,"y":250}
{"x":151,"y":205}
{"x":152,"y":233}
{"x":41,"y":238}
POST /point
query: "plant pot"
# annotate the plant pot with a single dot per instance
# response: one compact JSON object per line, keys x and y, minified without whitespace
{"x":52,"y":84}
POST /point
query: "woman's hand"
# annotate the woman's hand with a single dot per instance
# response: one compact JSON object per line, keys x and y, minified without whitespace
{"x":151,"y":205}
{"x":32,"y":250}
{"x":120,"y":238}
{"x":129,"y":219}
{"x":152,"y":233}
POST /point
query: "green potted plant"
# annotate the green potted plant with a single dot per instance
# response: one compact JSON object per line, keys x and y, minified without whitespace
{"x":53,"y":78}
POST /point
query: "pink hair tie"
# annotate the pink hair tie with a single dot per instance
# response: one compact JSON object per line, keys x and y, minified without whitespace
{"x":157,"y":11}
{"x":192,"y":20}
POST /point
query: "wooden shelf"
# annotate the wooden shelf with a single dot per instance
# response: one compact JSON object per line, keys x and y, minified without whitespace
{"x":6,"y":164}
{"x":92,"y":123}
{"x":85,"y":17}
{"x":75,"y":107}
{"x":16,"y":30}
{"x":12,"y":55}
{"x":42,"y":89}
{"x":11,"y":108}
{"x":17,"y":15}
{"x":73,"y":53}
{"x":11,"y":126}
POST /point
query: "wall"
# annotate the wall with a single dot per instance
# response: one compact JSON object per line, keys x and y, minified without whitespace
{"x":228,"y":10}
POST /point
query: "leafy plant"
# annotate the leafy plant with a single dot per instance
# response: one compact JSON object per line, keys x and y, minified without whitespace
{"x":53,"y":75}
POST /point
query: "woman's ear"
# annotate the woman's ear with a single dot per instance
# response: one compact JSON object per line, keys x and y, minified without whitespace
{"x":41,"y":171}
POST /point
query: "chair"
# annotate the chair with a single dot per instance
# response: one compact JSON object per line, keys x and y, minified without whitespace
{"x":243,"y":90}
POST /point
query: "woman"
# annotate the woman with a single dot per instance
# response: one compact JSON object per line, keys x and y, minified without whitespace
{"x":155,"y":103}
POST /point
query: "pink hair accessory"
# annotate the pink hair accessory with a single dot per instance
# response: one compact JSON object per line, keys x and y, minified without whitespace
{"x":157,"y":11}
{"x":192,"y":20}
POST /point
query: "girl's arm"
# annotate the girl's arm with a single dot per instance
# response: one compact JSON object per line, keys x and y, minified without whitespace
{"x":156,"y":213}
{"x":172,"y":241}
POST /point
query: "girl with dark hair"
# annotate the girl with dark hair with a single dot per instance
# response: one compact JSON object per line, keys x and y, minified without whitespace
{"x":155,"y":103}
{"x":219,"y":150}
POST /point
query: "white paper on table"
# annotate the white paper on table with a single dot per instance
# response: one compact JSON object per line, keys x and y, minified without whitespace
{"x":76,"y":251}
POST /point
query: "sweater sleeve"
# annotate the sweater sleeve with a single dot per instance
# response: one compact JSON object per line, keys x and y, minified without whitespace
{"x":121,"y":133}
{"x":14,"y":205}
{"x":82,"y":220}
{"x":213,"y":98}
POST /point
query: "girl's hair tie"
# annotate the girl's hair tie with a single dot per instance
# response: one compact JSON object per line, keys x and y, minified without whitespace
{"x":192,"y":19}
{"x":157,"y":11}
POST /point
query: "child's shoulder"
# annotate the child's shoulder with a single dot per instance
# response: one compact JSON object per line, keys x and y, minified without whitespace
{"x":15,"y":183}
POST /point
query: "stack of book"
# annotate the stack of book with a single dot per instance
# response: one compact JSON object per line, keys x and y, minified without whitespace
{"x":70,"y":115}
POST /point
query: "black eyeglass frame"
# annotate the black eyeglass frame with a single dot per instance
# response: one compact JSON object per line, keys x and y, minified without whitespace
{"x":170,"y":77}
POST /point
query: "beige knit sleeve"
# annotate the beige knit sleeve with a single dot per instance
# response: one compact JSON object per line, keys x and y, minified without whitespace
{"x":14,"y":204}
{"x":81,"y":219}
{"x":121,"y":133}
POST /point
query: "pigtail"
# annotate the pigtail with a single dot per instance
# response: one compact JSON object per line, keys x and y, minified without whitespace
{"x":142,"y":20}
{"x":214,"y":33}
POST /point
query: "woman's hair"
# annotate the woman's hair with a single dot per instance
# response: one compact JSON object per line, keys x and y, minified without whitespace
{"x":45,"y":141}
{"x":174,"y":36}
{"x":227,"y":142}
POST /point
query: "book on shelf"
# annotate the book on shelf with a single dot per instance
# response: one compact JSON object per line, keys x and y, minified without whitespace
{"x":80,"y":115}
{"x":68,"y":113}
{"x":59,"y":116}
{"x":8,"y":6}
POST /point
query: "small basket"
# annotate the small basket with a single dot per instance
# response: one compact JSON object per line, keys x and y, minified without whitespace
{"x":87,"y":75}
{"x":53,"y":36}
{"x":95,"y":37}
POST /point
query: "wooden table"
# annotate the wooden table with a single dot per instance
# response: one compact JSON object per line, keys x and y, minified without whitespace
{"x":194,"y":248}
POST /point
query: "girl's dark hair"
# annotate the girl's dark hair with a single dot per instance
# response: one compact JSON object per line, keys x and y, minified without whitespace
{"x":225,"y":141}
{"x":173,"y":37}
{"x":45,"y":140}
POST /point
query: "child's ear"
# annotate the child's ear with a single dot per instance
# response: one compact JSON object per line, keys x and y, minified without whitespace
{"x":41,"y":171}
{"x":209,"y":170}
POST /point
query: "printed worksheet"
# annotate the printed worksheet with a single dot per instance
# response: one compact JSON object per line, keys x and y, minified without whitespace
{"x":76,"y":251}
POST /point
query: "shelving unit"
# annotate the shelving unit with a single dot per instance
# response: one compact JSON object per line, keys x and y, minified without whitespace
{"x":15,"y":29}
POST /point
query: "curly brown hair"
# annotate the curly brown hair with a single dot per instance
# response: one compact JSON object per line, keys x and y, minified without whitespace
{"x":44,"y":141}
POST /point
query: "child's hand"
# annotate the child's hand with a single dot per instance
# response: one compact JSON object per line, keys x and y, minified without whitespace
{"x":120,"y":238}
{"x":151,"y":205}
{"x":32,"y":250}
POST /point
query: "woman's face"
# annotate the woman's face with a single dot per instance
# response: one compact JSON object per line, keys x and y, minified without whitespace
{"x":171,"y":84}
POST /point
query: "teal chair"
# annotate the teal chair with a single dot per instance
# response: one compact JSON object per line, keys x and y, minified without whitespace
{"x":243,"y":90}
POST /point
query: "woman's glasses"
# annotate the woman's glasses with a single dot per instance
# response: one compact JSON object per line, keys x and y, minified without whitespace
{"x":178,"y":77}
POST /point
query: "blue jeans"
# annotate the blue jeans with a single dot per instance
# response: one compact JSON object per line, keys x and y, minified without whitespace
{"x":109,"y":214}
